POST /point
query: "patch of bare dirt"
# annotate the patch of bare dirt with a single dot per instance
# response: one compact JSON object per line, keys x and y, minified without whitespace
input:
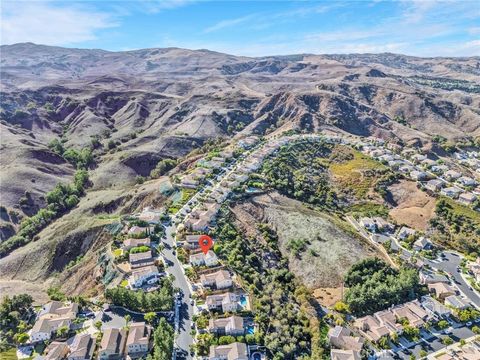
{"x":328,"y":247}
{"x":328,"y":296}
{"x":412,"y":206}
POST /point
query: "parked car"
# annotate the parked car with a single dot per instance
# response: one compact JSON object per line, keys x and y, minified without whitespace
{"x":469,"y":323}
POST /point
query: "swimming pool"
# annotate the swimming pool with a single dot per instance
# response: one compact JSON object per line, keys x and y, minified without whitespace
{"x":243,"y":301}
{"x":250,"y":329}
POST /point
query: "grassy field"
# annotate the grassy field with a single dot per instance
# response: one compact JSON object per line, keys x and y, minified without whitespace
{"x":355,"y":171}
{"x":9,"y":354}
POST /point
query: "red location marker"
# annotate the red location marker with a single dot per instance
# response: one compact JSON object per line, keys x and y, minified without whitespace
{"x":205,"y":243}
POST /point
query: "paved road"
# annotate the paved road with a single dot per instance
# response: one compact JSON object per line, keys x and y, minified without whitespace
{"x":449,"y":265}
{"x":184,"y":339}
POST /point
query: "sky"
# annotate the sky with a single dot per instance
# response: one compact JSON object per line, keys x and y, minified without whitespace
{"x":249,"y":28}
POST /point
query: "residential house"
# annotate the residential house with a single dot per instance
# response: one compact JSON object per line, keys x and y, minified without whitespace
{"x":434,"y":308}
{"x":82,"y":347}
{"x":138,"y":340}
{"x":146,"y":274}
{"x":417,"y":158}
{"x":434,"y":185}
{"x":452,"y":192}
{"x":428,"y":163}
{"x":385,"y":322}
{"x":137,"y":231}
{"x":406,"y":169}
{"x":418,"y":175}
{"x":131,"y":243}
{"x":226,"y":302}
{"x":138,"y":260}
{"x":412,"y":311}
{"x":456,"y":302}
{"x":428,"y":277}
{"x":189,"y":182}
{"x":474,"y":269}
{"x":372,"y":328}
{"x":342,"y":338}
{"x":234,"y":351}
{"x":470,"y":351}
{"x":52,"y":316}
{"x":150,"y":216}
{"x":422,"y":244}
{"x":386,"y":157}
{"x":220,"y":279}
{"x":56,"y":350}
{"x":191,"y":241}
{"x":112,"y":345}
{"x":338,"y":354}
{"x":441,"y":290}
{"x":405,"y":232}
{"x":396,"y":164}
{"x":368,"y":223}
{"x":232,"y":325}
{"x":199,"y":259}
{"x":383,"y":225}
{"x":439,"y":169}
{"x":467,"y":198}
{"x":466,"y":181}
{"x":451,"y":175}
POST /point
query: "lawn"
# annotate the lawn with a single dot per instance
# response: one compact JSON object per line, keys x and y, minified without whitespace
{"x":117,"y":252}
{"x":357,"y":173}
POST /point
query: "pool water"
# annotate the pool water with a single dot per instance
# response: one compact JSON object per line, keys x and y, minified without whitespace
{"x":243,"y":301}
{"x":250,"y":330}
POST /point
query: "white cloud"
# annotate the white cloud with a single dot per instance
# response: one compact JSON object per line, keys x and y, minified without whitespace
{"x":48,"y":23}
{"x":229,"y":23}
{"x":155,"y":6}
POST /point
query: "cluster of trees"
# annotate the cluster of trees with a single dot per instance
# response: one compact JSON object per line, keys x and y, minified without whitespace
{"x":457,"y":226}
{"x":163,"y":337}
{"x":163,"y":166}
{"x":158,"y":300}
{"x":61,"y":199}
{"x":374,"y":286}
{"x":280,"y":302}
{"x":81,"y":159}
{"x":14,"y":313}
{"x":467,"y":314}
{"x":299,"y":171}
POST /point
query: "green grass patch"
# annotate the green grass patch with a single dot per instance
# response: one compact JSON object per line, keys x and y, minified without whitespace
{"x":368,"y":209}
{"x":124,"y":283}
{"x":117,"y":252}
{"x":355,"y":171}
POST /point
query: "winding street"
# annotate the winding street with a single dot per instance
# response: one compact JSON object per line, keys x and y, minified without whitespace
{"x":449,"y":265}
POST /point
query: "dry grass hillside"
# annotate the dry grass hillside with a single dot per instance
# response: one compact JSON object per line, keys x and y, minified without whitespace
{"x":320,"y":248}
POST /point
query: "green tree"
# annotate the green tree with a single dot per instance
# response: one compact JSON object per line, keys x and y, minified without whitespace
{"x":442,"y":324}
{"x":447,"y":340}
{"x":62,"y":331}
{"x":150,"y":317}
{"x":21,"y":338}
{"x":163,"y":341}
